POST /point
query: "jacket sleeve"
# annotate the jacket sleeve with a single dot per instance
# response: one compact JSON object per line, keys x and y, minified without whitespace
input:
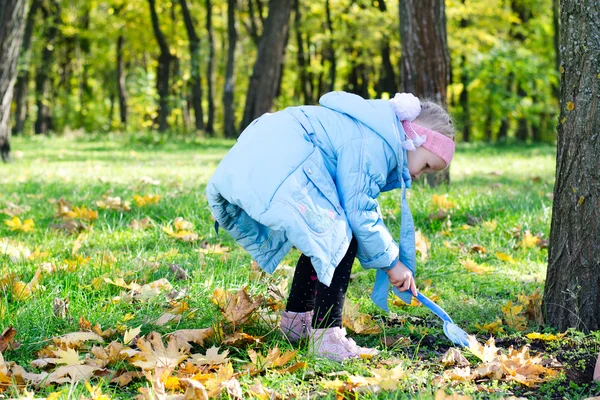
{"x":360,"y":177}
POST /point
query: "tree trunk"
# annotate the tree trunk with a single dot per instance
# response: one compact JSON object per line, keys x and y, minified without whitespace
{"x":12,"y":15}
{"x":42,"y":79}
{"x":83,"y":44}
{"x":229,"y":92}
{"x":301,"y":57}
{"x":331,"y":48}
{"x":22,"y":85}
{"x":267,"y":68}
{"x":464,"y":94}
{"x":556,"y":25}
{"x":121,"y":84}
{"x":425,"y":59}
{"x":195,"y":80}
{"x":572,"y":290}
{"x":162,"y":75}
{"x":387,"y":79}
{"x":210,"y":129}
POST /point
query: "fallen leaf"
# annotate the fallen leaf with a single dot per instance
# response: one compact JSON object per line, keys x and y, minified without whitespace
{"x":180,"y":273}
{"x":358,"y":322}
{"x":476,"y":248}
{"x":82,"y":213}
{"x":142,"y":224}
{"x":113,"y":203}
{"x":145,"y":200}
{"x":492,"y":327}
{"x":529,"y":240}
{"x":75,"y":339}
{"x":7,"y":339}
{"x":472,"y":266}
{"x":165,"y":318}
{"x":16,"y":225}
{"x":421,"y":244}
{"x":153,"y":353}
{"x":504,"y":257}
{"x":78,"y":243}
{"x":442,"y":202}
{"x":512,"y":316}
{"x":212,"y":357}
{"x":236,"y":307}
{"x":192,"y":335}
{"x":130,"y":334}
{"x":453,"y":356}
{"x":60,"y":307}
{"x":438,"y":216}
{"x":547,"y":337}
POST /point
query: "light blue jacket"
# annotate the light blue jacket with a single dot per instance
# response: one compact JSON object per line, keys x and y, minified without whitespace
{"x":309,"y":177}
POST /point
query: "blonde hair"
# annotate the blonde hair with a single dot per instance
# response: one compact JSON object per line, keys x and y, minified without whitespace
{"x":435,"y":117}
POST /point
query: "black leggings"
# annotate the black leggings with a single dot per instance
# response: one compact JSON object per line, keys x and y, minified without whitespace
{"x":308,"y":294}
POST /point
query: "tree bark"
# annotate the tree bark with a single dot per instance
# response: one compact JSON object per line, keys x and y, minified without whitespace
{"x":267,"y":68}
{"x":12,"y":16}
{"x":229,"y":92}
{"x":121,"y":84}
{"x":22,"y":85}
{"x":425,"y":61}
{"x":572,"y":290}
{"x":162,"y":75}
{"x":195,"y":81}
{"x":43,"y":122}
{"x":556,"y":25}
{"x":464,"y":94}
{"x":210,"y":129}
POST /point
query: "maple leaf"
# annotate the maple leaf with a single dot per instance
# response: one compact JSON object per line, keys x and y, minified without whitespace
{"x":145,"y":200}
{"x":486,"y":352}
{"x":453,"y":356}
{"x":75,"y":339}
{"x":236,"y":307}
{"x":166,"y":317}
{"x":215,"y":385}
{"x":492,"y":327}
{"x":472,"y":266}
{"x":387,"y":379}
{"x":186,"y":236}
{"x":547,"y":337}
{"x":512,"y":316}
{"x":533,"y":306}
{"x":212,"y":357}
{"x":16,"y":225}
{"x":194,"y":390}
{"x":273,"y":359}
{"x":504,"y":257}
{"x":70,"y":374}
{"x":15,"y":251}
{"x":142,"y":224}
{"x":96,"y":392}
{"x":67,"y":357}
{"x":442,"y":202}
{"x":130,"y":334}
{"x":358,"y":322}
{"x":113,"y":203}
{"x":529,"y":240}
{"x":154,"y":354}
{"x":421,"y":244}
{"x":22,"y":290}
{"x":82,"y":213}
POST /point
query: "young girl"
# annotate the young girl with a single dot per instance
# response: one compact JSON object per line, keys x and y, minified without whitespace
{"x":309,"y":177}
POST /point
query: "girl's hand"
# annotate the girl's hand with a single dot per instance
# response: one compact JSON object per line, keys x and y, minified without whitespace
{"x":401,"y":277}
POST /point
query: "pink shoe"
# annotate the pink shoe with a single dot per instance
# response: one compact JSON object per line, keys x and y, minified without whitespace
{"x":332,"y":343}
{"x":296,"y":326}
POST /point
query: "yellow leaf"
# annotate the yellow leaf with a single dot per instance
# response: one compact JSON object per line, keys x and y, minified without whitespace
{"x":67,"y":357}
{"x":548,"y":337}
{"x":212,"y":357}
{"x":131,"y":333}
{"x":16,"y":225}
{"x":78,"y":243}
{"x":236,"y":308}
{"x":172,"y":383}
{"x":387,"y":379}
{"x":127,"y":317}
{"x":421,"y":244}
{"x":493,"y":327}
{"x":563,"y":120}
{"x":154,"y":354}
{"x":490,"y":226}
{"x":114,"y":203}
{"x":472,"y":266}
{"x":442,"y":202}
{"x":529,"y":240}
{"x":358,"y":322}
{"x":512,"y":316}
{"x":570,"y":106}
{"x":82,"y":213}
{"x":504,"y":257}
{"x":145,"y":200}
{"x":22,"y":290}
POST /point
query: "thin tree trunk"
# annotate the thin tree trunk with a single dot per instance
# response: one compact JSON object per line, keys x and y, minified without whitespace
{"x":464,"y":94}
{"x":210,"y":129}
{"x":83,"y":44}
{"x":229,"y":92}
{"x":51,"y":14}
{"x":301,"y":56}
{"x":162,"y":76}
{"x":425,"y":59}
{"x":331,"y":48}
{"x":387,"y":79}
{"x":121,"y":83}
{"x":22,"y":85}
{"x":267,"y":68}
{"x":12,"y":15}
{"x":195,"y":81}
{"x":572,"y":290}
{"x":502,"y":135}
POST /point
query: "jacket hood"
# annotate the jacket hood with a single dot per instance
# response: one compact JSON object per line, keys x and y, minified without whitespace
{"x":376,"y":114}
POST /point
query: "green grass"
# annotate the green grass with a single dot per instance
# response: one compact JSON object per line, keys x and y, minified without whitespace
{"x":509,"y":184}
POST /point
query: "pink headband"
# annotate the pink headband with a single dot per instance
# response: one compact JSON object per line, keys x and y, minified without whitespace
{"x":440,"y":145}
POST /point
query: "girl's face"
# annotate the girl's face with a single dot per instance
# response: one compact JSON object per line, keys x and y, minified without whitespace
{"x":423,"y":161}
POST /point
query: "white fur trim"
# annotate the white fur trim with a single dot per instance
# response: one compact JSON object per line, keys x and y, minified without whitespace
{"x":406,"y":106}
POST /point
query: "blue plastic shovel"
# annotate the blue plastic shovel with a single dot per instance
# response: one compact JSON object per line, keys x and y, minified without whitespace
{"x":452,"y":331}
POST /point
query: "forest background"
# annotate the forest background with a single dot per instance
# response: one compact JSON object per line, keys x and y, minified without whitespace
{"x":97,"y":66}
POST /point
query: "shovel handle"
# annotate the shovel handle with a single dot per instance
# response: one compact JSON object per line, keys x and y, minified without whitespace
{"x":437,"y":310}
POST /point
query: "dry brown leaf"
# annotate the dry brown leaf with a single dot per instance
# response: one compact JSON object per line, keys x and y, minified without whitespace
{"x":194,"y":390}
{"x":476,"y":248}
{"x":180,"y":273}
{"x":185,"y":336}
{"x":70,"y":374}
{"x":454,"y":357}
{"x":438,"y":216}
{"x":75,"y":339}
{"x":273,"y":359}
{"x":165,"y":318}
{"x":60,"y":307}
{"x":22,"y":290}
{"x":238,"y":339}
{"x":153,"y":353}
{"x":7,"y":339}
{"x":142,"y":224}
{"x":114,"y":203}
{"x":358,"y":322}
{"x":130,"y":334}
{"x":236,"y":307}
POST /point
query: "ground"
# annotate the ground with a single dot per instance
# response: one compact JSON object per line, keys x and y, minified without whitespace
{"x":485,"y":237}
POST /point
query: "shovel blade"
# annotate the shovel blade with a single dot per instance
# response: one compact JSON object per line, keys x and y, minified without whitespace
{"x":455,"y":334}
